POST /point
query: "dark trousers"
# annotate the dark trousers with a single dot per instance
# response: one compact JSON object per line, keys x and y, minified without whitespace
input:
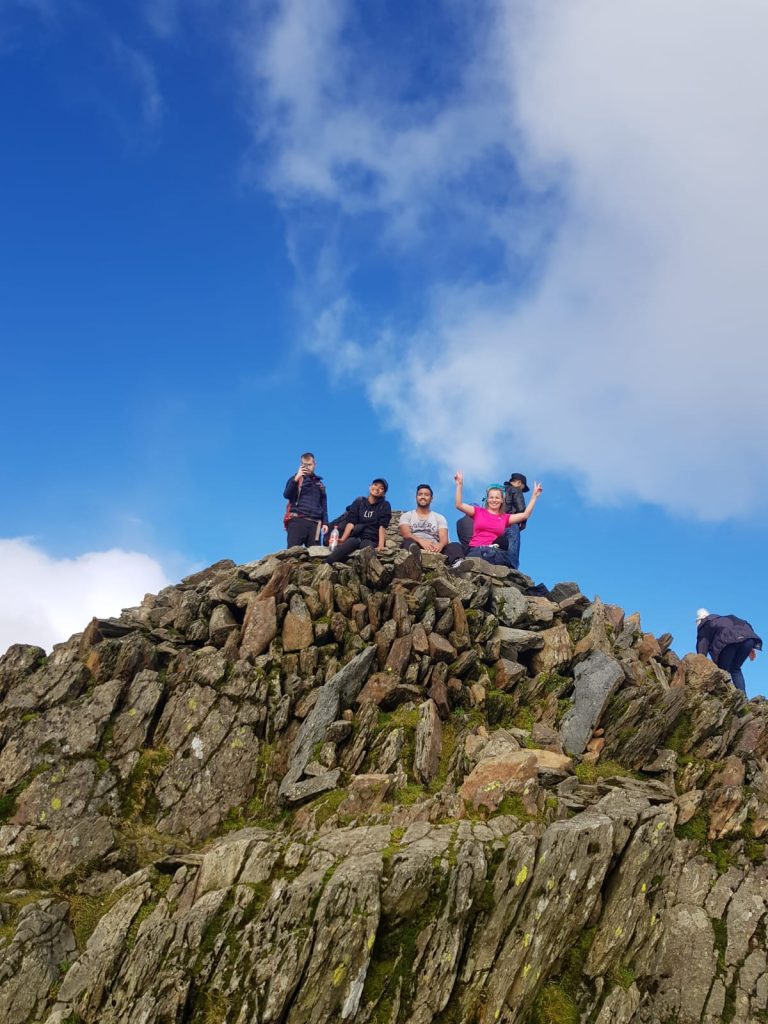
{"x":345,"y":549}
{"x":496,"y":556}
{"x":512,"y":533}
{"x":409,"y":544}
{"x":303,"y":531}
{"x":453,"y":552}
{"x":732,"y":657}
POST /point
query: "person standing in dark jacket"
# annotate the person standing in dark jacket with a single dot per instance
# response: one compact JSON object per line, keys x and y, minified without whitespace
{"x":367,"y":522}
{"x":729,"y":641}
{"x":514,"y":503}
{"x":307,"y":516}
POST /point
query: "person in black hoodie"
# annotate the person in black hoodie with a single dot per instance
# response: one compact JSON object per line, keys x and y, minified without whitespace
{"x":514,"y":489}
{"x":367,"y":522}
{"x":307,"y":517}
{"x":729,"y":641}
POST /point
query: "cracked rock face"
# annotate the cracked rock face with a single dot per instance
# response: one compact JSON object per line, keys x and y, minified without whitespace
{"x":382,"y":793}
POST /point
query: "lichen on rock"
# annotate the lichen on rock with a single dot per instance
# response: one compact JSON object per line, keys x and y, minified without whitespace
{"x":378,"y":792}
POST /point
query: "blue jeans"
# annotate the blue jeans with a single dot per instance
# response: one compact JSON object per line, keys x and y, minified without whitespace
{"x":496,"y":556}
{"x":512,"y":533}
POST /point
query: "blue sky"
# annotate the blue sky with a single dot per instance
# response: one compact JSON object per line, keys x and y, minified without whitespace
{"x":501,"y":235}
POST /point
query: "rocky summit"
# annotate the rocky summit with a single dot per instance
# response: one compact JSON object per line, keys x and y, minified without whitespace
{"x":378,"y":792}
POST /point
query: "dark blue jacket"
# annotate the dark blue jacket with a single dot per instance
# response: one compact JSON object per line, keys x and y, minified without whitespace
{"x":717,"y":631}
{"x":514,"y":501}
{"x":308,"y":501}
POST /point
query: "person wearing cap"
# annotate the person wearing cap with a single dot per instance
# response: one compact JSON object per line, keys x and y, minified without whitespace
{"x":729,"y":641}
{"x":514,"y":502}
{"x":490,"y":522}
{"x":367,"y":520}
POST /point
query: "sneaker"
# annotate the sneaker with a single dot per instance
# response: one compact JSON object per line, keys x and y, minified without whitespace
{"x":457,"y":563}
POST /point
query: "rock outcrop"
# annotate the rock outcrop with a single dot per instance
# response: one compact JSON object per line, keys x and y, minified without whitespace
{"x":381,"y":792}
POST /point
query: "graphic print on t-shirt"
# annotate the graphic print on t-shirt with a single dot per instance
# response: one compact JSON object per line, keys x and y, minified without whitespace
{"x":425,"y":526}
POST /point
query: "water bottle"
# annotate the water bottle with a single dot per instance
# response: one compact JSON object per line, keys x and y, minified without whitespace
{"x":333,"y":540}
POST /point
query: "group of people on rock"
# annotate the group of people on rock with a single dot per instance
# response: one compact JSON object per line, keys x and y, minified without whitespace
{"x":490,"y":531}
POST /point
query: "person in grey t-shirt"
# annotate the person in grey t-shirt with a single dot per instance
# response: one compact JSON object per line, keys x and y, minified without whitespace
{"x":422,"y":526}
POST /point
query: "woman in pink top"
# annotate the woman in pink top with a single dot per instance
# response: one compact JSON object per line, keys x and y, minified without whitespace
{"x":491,"y":522}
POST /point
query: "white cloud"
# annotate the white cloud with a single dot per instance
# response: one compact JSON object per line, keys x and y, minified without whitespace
{"x":634,"y":358}
{"x":45,"y":600}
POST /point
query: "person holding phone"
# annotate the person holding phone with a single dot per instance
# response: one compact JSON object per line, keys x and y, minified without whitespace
{"x":306,"y":518}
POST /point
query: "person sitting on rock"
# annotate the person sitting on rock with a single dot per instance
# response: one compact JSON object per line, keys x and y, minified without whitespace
{"x":367,"y":522}
{"x":729,"y":641}
{"x":491,"y":522}
{"x":422,"y":528}
{"x":306,"y":519}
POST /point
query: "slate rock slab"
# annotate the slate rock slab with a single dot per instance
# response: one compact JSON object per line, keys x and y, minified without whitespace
{"x":595,"y":681}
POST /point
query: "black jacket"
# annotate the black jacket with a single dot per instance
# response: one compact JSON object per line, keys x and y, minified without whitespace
{"x":309,"y":501}
{"x":367,"y":518}
{"x":514,"y":501}
{"x":717,"y":631}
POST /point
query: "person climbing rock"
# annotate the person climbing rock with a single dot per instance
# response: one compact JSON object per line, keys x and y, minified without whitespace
{"x":367,"y":519}
{"x":306,"y":518}
{"x":422,"y":528}
{"x":491,"y":522}
{"x":729,"y":641}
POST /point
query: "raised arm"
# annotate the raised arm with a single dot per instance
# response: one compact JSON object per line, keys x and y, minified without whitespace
{"x":520,"y":517}
{"x":461,"y":505}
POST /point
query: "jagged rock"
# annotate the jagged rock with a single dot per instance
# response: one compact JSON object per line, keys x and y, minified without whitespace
{"x":337,"y":694}
{"x":259,"y":627}
{"x":140,"y":744}
{"x":497,"y":777}
{"x":338,"y":732}
{"x":366,"y":723}
{"x":429,"y":743}
{"x":562,"y":591}
{"x":441,"y":649}
{"x":539,"y":611}
{"x":308,"y":789}
{"x":438,"y":690}
{"x":512,"y":641}
{"x":508,"y":673}
{"x":556,"y":652}
{"x":687,"y":960}
{"x":481,"y":568}
{"x":33,"y":962}
{"x":367,"y":793}
{"x":620,"y":1006}
{"x":221,"y":625}
{"x":398,"y":656}
{"x":297,"y":627}
{"x":387,"y":756}
{"x":595,"y":681}
{"x":600,"y":633}
{"x":574,"y":607}
{"x":510,"y":606}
